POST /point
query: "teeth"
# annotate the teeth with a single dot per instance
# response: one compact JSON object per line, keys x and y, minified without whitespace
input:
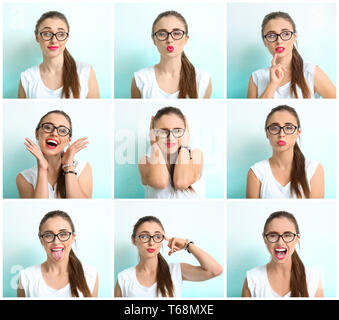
{"x":52,"y":142}
{"x":280,"y":250}
{"x":54,"y":250}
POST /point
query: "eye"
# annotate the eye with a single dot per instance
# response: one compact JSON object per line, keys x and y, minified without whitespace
{"x":48,"y":126}
{"x":158,"y":236}
{"x":46,"y":34}
{"x":48,"y":236}
{"x":271,"y":36}
{"x":63,"y":130}
{"x":177,"y":33}
{"x":144,"y":236}
{"x":162,"y":34}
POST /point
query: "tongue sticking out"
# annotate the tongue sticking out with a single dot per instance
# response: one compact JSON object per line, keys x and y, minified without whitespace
{"x":57,"y":255}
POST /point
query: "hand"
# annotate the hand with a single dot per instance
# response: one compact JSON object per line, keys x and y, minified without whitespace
{"x":74,"y":148}
{"x":36,"y":152}
{"x":277,"y":72}
{"x":175,"y":244}
{"x":152,"y":136}
{"x":185,"y":139}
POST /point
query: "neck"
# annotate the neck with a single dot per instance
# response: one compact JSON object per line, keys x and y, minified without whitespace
{"x":148,"y":265}
{"x":286,"y":61}
{"x":54,"y":163}
{"x":51,"y":266}
{"x":53,"y":65}
{"x":283,"y":159}
{"x":281,"y":268}
{"x":170,"y":65}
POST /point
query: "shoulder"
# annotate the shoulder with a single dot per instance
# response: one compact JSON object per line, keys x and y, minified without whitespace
{"x":30,"y":272}
{"x":80,"y":165}
{"x":174,"y":267}
{"x":201,"y":74}
{"x":83,"y":68}
{"x":313,"y":279}
{"x":259,"y":168}
{"x":90,"y":273}
{"x":29,"y":174}
{"x":309,"y":67}
{"x":29,"y":74}
{"x":256,"y":274}
{"x":126,"y":275}
{"x":144,"y":72}
{"x":261,"y":73}
{"x":312,"y":166}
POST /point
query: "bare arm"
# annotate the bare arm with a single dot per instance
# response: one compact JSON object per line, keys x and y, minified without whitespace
{"x":93,"y":89}
{"x":253,"y":186}
{"x":323,"y":85}
{"x":317,"y":183}
{"x":245,"y":291}
{"x":79,"y":187}
{"x":320,"y":291}
{"x":117,"y":291}
{"x":209,"y":267}
{"x":21,"y":91}
{"x":135,"y":93}
{"x":187,"y":171}
{"x":96,"y":287}
{"x":153,"y":170}
{"x":208,"y":91}
{"x":252,"y":91}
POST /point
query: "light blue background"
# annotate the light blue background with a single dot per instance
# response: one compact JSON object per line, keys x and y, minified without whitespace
{"x":22,"y":247}
{"x":132,"y":118}
{"x":200,"y":221}
{"x":246,"y":52}
{"x":90,"y":40}
{"x":247,"y":142}
{"x":134,"y":48}
{"x":90,"y":118}
{"x":246,"y":248}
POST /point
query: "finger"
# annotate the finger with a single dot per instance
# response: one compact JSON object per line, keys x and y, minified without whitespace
{"x":274,"y":60}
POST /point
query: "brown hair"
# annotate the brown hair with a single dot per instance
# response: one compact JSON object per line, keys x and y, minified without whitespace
{"x":298,"y":284}
{"x":61,"y":186}
{"x":298,"y":172}
{"x":164,"y":279}
{"x":187,"y":82}
{"x":298,"y":78}
{"x":177,"y":112}
{"x":75,"y":270}
{"x":70,"y":79}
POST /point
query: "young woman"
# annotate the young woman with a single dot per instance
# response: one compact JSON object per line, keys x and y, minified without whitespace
{"x":56,"y":175}
{"x":174,"y":76}
{"x":153,"y":276}
{"x":172,"y":169}
{"x":287,"y":174}
{"x":59,"y":76}
{"x":285,"y":275}
{"x":62,"y":274}
{"x":288,"y":76}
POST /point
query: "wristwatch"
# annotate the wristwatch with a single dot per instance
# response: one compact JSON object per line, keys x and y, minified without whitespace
{"x":189,"y":150}
{"x":187,"y":245}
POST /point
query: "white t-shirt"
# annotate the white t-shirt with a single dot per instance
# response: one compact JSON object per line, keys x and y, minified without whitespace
{"x":32,"y":281}
{"x":169,"y":192}
{"x":261,"y":78}
{"x":259,"y":285}
{"x":31,"y":175}
{"x":35,"y":89}
{"x":130,"y":286}
{"x":270,"y":187}
{"x":148,"y":86}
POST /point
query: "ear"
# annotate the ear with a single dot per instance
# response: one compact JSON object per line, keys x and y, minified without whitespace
{"x":36,"y":37}
{"x":133,"y":240}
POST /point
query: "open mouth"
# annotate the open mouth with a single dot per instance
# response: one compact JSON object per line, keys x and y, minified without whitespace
{"x":57,"y":253}
{"x":51,"y":143}
{"x":280,"y":253}
{"x":279,"y":49}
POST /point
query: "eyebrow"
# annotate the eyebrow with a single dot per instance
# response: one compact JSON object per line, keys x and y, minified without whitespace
{"x":174,"y":29}
{"x":149,"y":232}
{"x":50,"y":231}
{"x":286,"y":123}
{"x":49,"y":28}
{"x":273,"y":31}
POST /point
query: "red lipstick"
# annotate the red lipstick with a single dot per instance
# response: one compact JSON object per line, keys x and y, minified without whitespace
{"x":279,"y":49}
{"x":281,"y":143}
{"x":150,"y":250}
{"x":53,"y":48}
{"x":170,"y":48}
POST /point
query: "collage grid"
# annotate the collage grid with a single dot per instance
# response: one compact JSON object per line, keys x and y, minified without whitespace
{"x":119,"y":127}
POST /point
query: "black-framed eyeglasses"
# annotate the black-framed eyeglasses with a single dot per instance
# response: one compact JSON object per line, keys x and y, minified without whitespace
{"x":49,"y":127}
{"x":144,"y":237}
{"x":286,"y":236}
{"x":62,"y":236}
{"x":285,"y":36}
{"x":47,"y":35}
{"x":163,"y":35}
{"x":275,"y":129}
{"x":164,"y":133}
